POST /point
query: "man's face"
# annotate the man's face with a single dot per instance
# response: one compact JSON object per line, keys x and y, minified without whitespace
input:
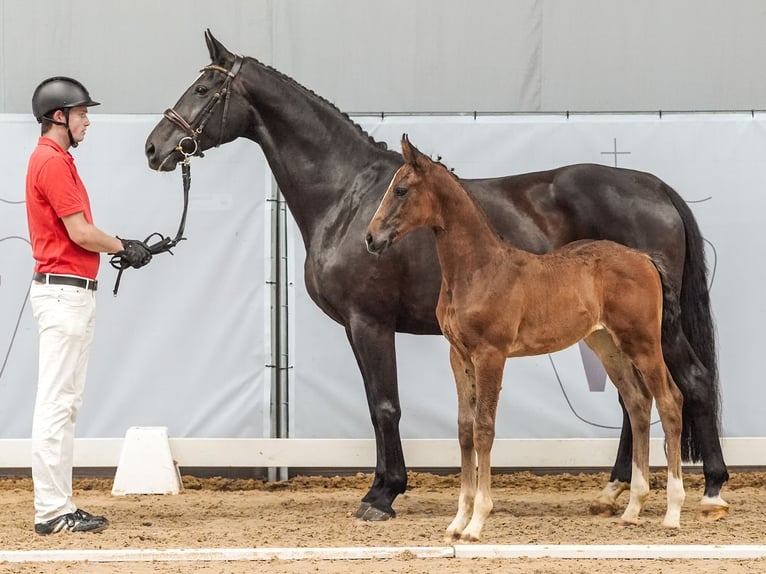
{"x":78,"y":122}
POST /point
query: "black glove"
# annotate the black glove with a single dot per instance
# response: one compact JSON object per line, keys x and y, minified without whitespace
{"x":134,"y":252}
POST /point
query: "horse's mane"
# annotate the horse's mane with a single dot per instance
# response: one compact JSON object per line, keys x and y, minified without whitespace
{"x":329,"y":104}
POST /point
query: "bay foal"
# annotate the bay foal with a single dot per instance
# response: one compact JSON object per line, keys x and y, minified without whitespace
{"x":498,"y":302}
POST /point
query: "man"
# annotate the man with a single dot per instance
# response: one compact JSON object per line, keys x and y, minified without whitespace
{"x":66,"y":247}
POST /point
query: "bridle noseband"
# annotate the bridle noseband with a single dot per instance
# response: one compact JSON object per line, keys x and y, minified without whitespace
{"x":220,"y":95}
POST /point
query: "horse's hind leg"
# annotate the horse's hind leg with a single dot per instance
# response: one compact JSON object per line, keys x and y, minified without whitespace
{"x":605,"y":504}
{"x":669,"y":402}
{"x":669,"y":405}
{"x":619,"y":479}
{"x":637,"y":403}
{"x":463,"y":370}
{"x":700,"y":437}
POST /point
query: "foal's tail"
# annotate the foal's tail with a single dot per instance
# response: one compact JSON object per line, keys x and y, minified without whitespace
{"x":696,"y":318}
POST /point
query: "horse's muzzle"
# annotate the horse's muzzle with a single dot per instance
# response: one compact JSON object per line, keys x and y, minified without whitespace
{"x":158,"y":163}
{"x":376,"y":246}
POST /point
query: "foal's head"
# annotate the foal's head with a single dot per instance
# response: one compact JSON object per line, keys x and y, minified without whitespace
{"x":409,"y":202}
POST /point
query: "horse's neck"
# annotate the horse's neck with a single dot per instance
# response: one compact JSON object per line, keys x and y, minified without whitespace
{"x":314,"y":150}
{"x":467,"y":239}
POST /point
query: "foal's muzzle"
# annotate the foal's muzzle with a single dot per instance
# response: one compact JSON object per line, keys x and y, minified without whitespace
{"x":376,"y":246}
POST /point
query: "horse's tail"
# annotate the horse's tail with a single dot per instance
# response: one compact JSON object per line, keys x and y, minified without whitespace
{"x":696,"y":318}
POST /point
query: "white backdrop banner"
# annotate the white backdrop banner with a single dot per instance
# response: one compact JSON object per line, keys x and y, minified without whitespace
{"x":715,"y":161}
{"x":186,"y":341}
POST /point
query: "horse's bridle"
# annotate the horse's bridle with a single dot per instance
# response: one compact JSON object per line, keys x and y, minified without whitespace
{"x":165,"y":244}
{"x":220,"y":95}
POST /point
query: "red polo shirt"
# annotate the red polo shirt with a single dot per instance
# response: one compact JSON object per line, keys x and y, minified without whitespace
{"x":55,"y":190}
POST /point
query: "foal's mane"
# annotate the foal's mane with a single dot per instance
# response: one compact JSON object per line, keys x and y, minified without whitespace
{"x":333,"y":107}
{"x":449,"y":170}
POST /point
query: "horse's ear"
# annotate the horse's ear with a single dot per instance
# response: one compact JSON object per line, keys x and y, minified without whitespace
{"x":409,"y":151}
{"x":218,"y":52}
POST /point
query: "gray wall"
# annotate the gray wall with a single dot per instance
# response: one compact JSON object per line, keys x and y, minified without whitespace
{"x":400,"y":55}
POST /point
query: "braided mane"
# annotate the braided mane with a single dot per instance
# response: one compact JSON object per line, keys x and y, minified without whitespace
{"x":295,"y":83}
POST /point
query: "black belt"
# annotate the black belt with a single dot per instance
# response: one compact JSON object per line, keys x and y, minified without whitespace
{"x":66,"y":280}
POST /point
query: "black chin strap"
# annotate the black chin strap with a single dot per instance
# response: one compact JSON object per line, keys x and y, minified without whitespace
{"x":65,"y":124}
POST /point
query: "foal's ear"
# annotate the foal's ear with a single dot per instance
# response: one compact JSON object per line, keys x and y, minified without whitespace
{"x":218,"y":52}
{"x":409,"y":151}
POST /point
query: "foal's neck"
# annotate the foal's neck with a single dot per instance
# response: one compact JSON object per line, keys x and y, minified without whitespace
{"x":467,"y":239}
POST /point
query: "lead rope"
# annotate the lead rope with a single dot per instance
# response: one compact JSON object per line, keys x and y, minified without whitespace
{"x":165,"y":244}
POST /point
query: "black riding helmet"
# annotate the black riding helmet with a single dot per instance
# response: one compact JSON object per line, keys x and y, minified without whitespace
{"x":59,"y":93}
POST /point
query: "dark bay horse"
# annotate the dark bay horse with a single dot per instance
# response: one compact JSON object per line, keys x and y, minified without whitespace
{"x":333,"y":176}
{"x":497,"y":301}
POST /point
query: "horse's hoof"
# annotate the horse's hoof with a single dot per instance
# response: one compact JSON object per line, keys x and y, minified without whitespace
{"x":603,"y":509}
{"x":363,"y":507}
{"x":467,"y":537}
{"x":372,"y":514}
{"x":711,"y":513}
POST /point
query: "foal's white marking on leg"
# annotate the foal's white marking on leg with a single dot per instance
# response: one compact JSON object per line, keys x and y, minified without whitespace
{"x":482,"y":506}
{"x":464,"y":508}
{"x":676,"y":496}
{"x":639,"y":490}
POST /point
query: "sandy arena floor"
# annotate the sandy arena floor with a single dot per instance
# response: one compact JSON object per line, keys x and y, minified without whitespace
{"x":318,"y":512}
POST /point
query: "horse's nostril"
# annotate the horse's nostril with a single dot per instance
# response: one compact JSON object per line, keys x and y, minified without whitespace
{"x":368,"y":239}
{"x":149,"y":150}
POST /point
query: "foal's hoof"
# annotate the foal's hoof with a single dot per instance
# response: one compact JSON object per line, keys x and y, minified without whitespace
{"x":603,"y":509}
{"x":469,"y":537}
{"x":369,"y":513}
{"x":713,"y":512}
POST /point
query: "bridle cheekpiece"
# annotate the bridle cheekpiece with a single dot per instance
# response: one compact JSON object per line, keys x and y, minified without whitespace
{"x":220,"y":95}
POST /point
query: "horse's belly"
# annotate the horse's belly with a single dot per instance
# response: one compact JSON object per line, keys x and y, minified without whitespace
{"x":551,"y":334}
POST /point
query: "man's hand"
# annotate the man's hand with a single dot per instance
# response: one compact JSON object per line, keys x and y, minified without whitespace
{"x":136,"y":253}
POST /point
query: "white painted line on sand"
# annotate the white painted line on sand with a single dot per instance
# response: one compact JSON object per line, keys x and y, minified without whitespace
{"x":626,"y":551}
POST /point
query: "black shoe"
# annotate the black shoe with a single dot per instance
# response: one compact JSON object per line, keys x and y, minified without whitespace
{"x":77,"y":521}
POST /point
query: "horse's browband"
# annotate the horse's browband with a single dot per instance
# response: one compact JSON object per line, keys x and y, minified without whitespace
{"x":216,"y":68}
{"x":222,"y":93}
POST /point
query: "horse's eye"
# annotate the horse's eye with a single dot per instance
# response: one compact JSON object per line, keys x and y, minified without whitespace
{"x":201,"y":90}
{"x":401,"y":191}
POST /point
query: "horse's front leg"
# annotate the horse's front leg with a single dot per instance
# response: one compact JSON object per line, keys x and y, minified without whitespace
{"x":462,"y":368}
{"x":489,"y":366}
{"x":373,"y":346}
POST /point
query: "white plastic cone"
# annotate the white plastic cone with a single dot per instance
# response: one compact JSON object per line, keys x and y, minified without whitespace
{"x":146,"y":464}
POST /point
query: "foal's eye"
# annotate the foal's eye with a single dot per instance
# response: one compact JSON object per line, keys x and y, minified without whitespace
{"x":201,"y":90}
{"x":400,"y":191}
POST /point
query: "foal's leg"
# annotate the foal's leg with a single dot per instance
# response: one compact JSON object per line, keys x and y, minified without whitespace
{"x":638,"y":403}
{"x":644,"y":349}
{"x":669,"y":406}
{"x":489,"y":366}
{"x":699,"y":414}
{"x":618,"y":369}
{"x":463,"y":370}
